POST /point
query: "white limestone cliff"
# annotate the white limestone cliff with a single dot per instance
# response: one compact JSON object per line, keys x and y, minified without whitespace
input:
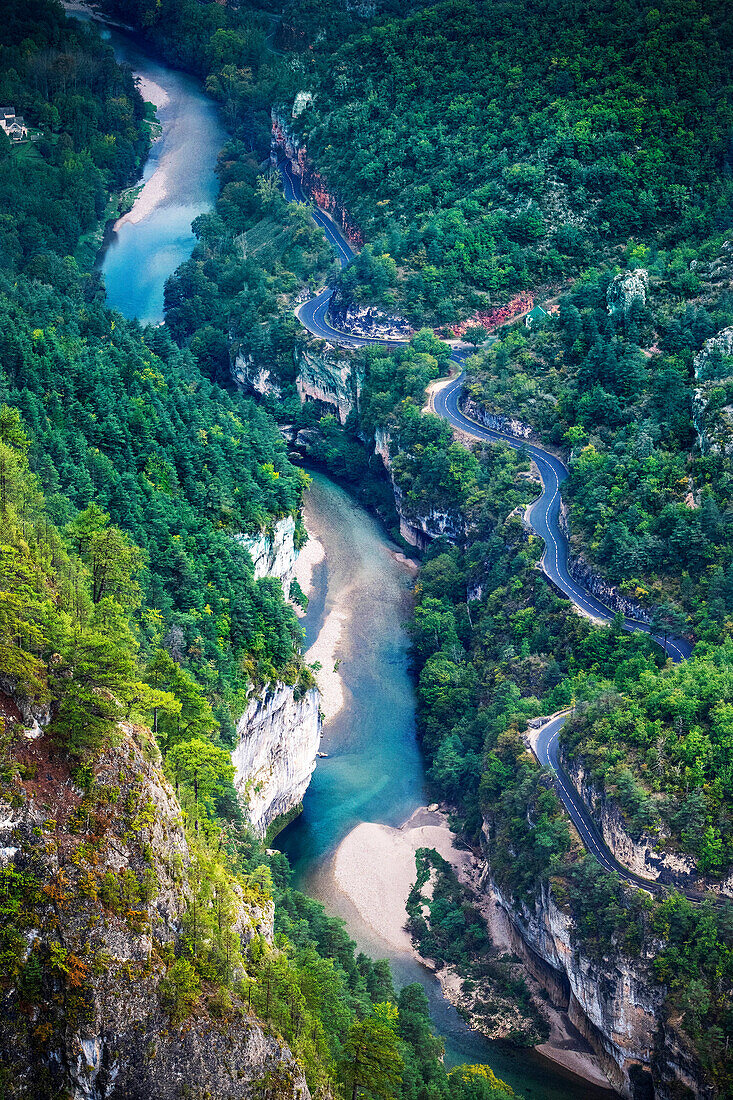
{"x":277,"y":740}
{"x":273,"y":552}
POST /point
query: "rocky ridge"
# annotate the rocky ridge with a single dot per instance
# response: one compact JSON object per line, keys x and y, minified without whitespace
{"x":644,"y":855}
{"x":273,"y":552}
{"x":98,"y":874}
{"x":615,"y":1002}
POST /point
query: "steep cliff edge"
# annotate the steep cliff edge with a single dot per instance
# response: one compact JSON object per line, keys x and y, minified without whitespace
{"x":96,"y":892}
{"x":615,"y":1001}
{"x":645,"y":854}
{"x":329,"y":376}
{"x":324,"y":374}
{"x":277,"y":740}
{"x":273,"y":552}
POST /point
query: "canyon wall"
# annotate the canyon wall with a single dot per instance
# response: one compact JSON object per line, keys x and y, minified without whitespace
{"x":329,"y":376}
{"x":99,"y":878}
{"x":614,"y":1001}
{"x":273,"y":552}
{"x":644,"y":855}
{"x":498,"y":421}
{"x":325,"y":374}
{"x":277,"y":741}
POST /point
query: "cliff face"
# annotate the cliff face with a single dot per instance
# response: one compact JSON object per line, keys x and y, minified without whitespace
{"x":273,"y":552}
{"x":277,"y":741}
{"x":497,"y":421}
{"x":329,"y":376}
{"x":615,"y":1002}
{"x":252,"y":377}
{"x":97,"y":879}
{"x":627,"y":288}
{"x":712,"y":402}
{"x":324,"y":374}
{"x":645,"y":855}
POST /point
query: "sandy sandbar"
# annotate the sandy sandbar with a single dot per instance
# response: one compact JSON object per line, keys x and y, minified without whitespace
{"x":325,"y":650}
{"x":374,"y":868}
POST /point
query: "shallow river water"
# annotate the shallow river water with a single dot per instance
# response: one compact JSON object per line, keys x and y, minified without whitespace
{"x":179,"y":183}
{"x":374,"y":769}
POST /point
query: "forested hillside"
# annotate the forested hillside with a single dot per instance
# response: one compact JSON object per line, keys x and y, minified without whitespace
{"x":136,"y":902}
{"x":487,"y":149}
{"x":96,"y":770}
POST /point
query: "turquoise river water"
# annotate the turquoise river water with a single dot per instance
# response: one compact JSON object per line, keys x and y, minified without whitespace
{"x":374,"y":770}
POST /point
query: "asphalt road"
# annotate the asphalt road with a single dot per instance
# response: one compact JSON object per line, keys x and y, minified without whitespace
{"x":544,"y":517}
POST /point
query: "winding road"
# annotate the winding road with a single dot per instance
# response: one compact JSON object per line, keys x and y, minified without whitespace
{"x":544,"y":518}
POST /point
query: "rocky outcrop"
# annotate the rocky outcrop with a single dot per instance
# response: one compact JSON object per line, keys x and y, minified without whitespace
{"x":382,"y":443}
{"x":592,"y":581}
{"x":98,"y":877}
{"x":498,"y":422}
{"x":277,"y":741}
{"x":323,"y":373}
{"x":359,"y":320}
{"x":273,"y":552}
{"x":286,"y":142}
{"x":329,"y":376}
{"x":615,"y":1002}
{"x":420,"y":530}
{"x":625,"y":289}
{"x":644,"y":855}
{"x":712,"y":402}
{"x":252,"y":377}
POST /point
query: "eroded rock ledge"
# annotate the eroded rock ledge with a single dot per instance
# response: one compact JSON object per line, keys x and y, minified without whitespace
{"x":104,"y":874}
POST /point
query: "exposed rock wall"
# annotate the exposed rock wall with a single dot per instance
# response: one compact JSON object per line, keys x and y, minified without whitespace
{"x":104,"y":890}
{"x":329,"y":375}
{"x":360,"y":320}
{"x":644,"y":855}
{"x":713,"y":418}
{"x":616,"y":1002}
{"x":323,"y":373}
{"x":273,"y":552}
{"x":277,"y":740}
{"x":625,"y":289}
{"x":498,"y":421}
{"x":252,"y":377}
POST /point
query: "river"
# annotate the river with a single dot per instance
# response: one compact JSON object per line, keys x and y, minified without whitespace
{"x":374,"y":770}
{"x":361,"y":592}
{"x":179,"y":183}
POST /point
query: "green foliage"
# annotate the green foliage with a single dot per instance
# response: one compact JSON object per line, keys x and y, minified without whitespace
{"x":663,"y":751}
{"x":372,"y":1064}
{"x":447,"y":927}
{"x":63,"y":78}
{"x":485,"y":150}
{"x":179,"y":989}
{"x":202,"y":769}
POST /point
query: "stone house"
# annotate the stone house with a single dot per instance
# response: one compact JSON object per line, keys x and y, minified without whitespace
{"x":13,"y":125}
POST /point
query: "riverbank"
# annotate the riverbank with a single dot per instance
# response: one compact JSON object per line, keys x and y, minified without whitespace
{"x":154,"y":237}
{"x":374,"y":869}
